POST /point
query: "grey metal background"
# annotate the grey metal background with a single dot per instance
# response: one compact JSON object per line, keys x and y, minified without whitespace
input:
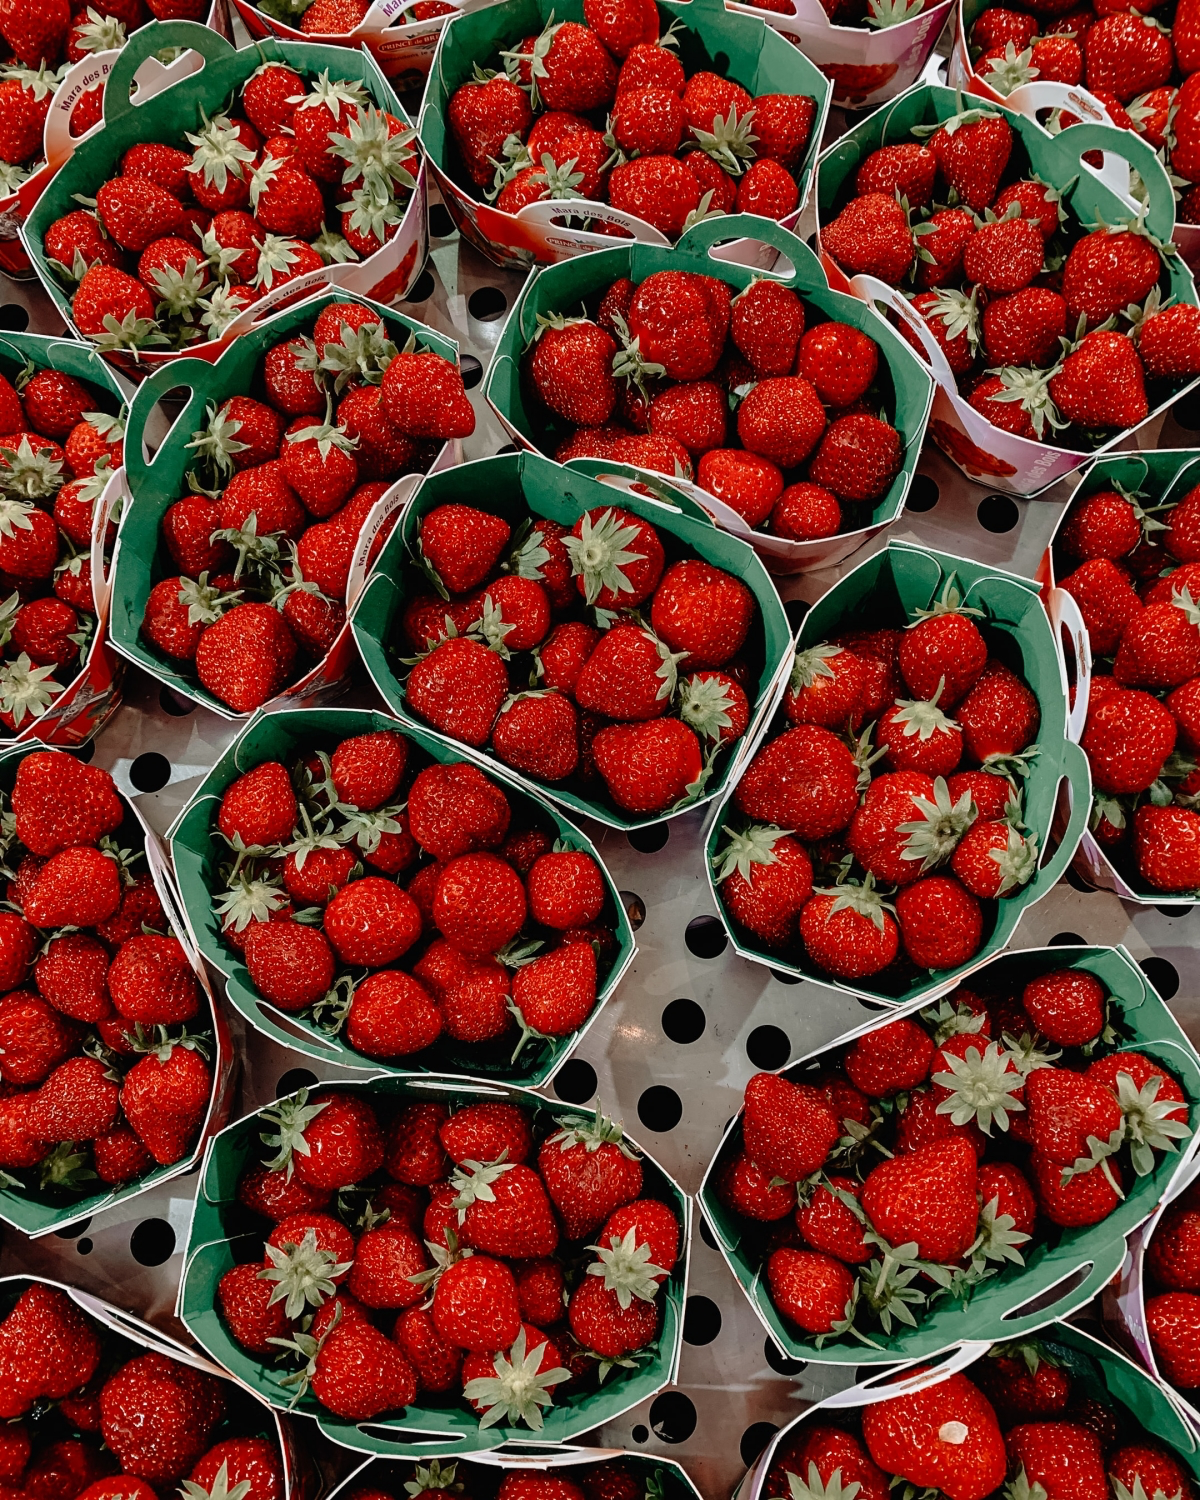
{"x":729,"y":1397}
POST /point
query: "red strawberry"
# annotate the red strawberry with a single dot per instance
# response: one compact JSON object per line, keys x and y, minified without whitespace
{"x":1167,"y":847}
{"x":647,"y":767}
{"x":1127,"y":55}
{"x":1101,"y":384}
{"x":47,"y":1348}
{"x":78,"y":1101}
{"x":680,"y":320}
{"x":940,"y":922}
{"x":813,"y":1291}
{"x":246,"y":657}
{"x":553,"y":995}
{"x":622,"y":24}
{"x":1106,"y":271}
{"x":909,"y":169}
{"x":871,"y":236}
{"x":165,"y":1097}
{"x":483,"y":114}
{"x":921,"y":1437}
{"x":766,"y":880}
{"x":972,"y":151}
{"x":788,"y":1128}
{"x":766,"y":325}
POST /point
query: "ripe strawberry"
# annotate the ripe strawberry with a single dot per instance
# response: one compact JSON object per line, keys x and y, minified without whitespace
{"x":1127,"y":55}
{"x":601,"y":1323}
{"x":1173,"y":1322}
{"x":972,"y":150}
{"x":459,"y":688}
{"x":462,"y":544}
{"x":616,"y":557}
{"x":648,"y":65}
{"x":997,"y":25}
{"x":839,"y":361}
{"x":371,"y":921}
{"x":1101,"y":384}
{"x":554,"y":994}
{"x":246,"y":657}
{"x":1127,"y":738}
{"x":78,"y":1101}
{"x":478,"y":904}
{"x":812,"y":1290}
{"x":340,"y":1131}
{"x":806,"y":778}
{"x":538,"y":733}
{"x":134,"y":211}
{"x":1106,"y":272}
{"x":749,"y":483}
{"x":1167,"y":847}
{"x":999,"y":715}
{"x":871,"y":236}
{"x":766,"y":325}
{"x":788,"y":1129}
{"x":259,"y":808}
{"x":58,"y":802}
{"x":1167,"y":342}
{"x":482,"y":115}
{"x":36,"y":1038}
{"x":475,"y":1305}
{"x":589,"y":1172}
{"x":680,"y":320}
{"x":1004,"y":256}
{"x":829,"y":1226}
{"x":1065,"y":1111}
{"x":152,"y":983}
{"x":858,"y":458}
{"x":748,"y":1190}
{"x":268,"y":97}
{"x":1066,"y":1005}
{"x":942,"y":238}
{"x":1161,"y":645}
{"x":1086,"y":1198}
{"x":1151,"y":1466}
{"x":571,"y":369}
{"x":77,"y":888}
{"x":106,"y":293}
{"x":622,"y":24}
{"x":908,"y":1435}
{"x":1046,"y":1450}
{"x":781,"y":419}
{"x":940,"y":922}
{"x":1024,"y":329}
{"x":767,"y":189}
{"x":165,"y":1097}
{"x":766,"y":879}
{"x":47,"y":1348}
{"x":831,"y":1450}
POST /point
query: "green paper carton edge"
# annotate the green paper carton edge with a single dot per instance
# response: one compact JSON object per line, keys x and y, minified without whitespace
{"x":155,"y":486}
{"x":195,"y":854}
{"x":548,"y":489}
{"x":866,"y":598}
{"x":988,"y":1313}
{"x":444,"y":1431}
{"x":757,"y":57}
{"x":561,"y":287}
{"x":167,"y":116}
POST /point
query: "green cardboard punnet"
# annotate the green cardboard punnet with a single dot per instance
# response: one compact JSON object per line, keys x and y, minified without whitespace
{"x":1062,"y":1272}
{"x":433,"y":1425}
{"x":197,"y":853}
{"x":885,"y":592}
{"x":520,"y":485}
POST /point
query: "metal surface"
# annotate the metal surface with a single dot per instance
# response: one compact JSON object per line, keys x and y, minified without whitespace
{"x":676,"y":1094}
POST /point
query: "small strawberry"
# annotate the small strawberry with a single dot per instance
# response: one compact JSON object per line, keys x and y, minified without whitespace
{"x":839,"y":361}
{"x":165,"y":1097}
{"x":812,"y":1290}
{"x":871,"y":236}
{"x":649,"y":766}
{"x":908,"y":169}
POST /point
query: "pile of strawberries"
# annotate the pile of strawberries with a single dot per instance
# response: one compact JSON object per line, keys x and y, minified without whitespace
{"x":1053,"y":329}
{"x":103,"y":1081}
{"x":419,"y":1256}
{"x":340,"y":17}
{"x":906,"y":809}
{"x":58,"y":452}
{"x":1035,"y":1411}
{"x":589,"y":661}
{"x":1133,"y":567}
{"x":606,"y":111}
{"x":1171,"y":1265}
{"x":763,"y":400}
{"x":1139,"y":64}
{"x":89,"y":1414}
{"x":323,"y":936}
{"x":937,"y":1149}
{"x":260,"y":550}
{"x":467,"y":1481}
{"x":306,"y":172}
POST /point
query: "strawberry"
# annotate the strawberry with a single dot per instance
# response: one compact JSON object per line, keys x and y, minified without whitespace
{"x":693,"y":413}
{"x":601,"y":1323}
{"x":538,"y":733}
{"x":462,"y":544}
{"x":259,"y":808}
{"x":1046,"y":1452}
{"x":781,"y":419}
{"x":997,"y":25}
{"x":478,"y":904}
{"x":475,"y":1305}
{"x":648,"y":766}
{"x":1173,"y":1323}
{"x":767,"y":189}
{"x":570,"y":68}
{"x":437,"y":1364}
{"x":78,"y":888}
{"x":46,"y":631}
{"x":483,"y":114}
{"x":788,"y":1129}
{"x":1152,"y":1467}
{"x":1161,"y":645}
{"x":999,"y":716}
{"x":151,"y":981}
{"x":385,"y":1260}
{"x":839,"y":361}
{"x":1004,"y":256}
{"x":268,"y":97}
{"x":1172,"y":1254}
{"x":766,"y":324}
{"x":812,"y":1290}
{"x":890,"y":1059}
{"x":909,"y":1435}
{"x":35,"y":35}
{"x":1106,"y":271}
{"x":77,"y":1102}
{"x":57,"y":802}
{"x":554,"y":994}
{"x":571,"y":369}
{"x":165,"y":1097}
{"x":187,"y":530}
{"x":829,"y":1226}
{"x":18,"y":1146}
{"x":649,"y":65}
{"x":275,"y":1195}
{"x":1085,"y":1198}
{"x":766,"y":879}
{"x":35,"y":1036}
{"x":1101,"y":383}
{"x":47,"y":1348}
{"x":18,"y":944}
{"x":134,"y":211}
{"x":680,"y":320}
{"x":942,"y":238}
{"x":940,"y":922}
{"x":972,"y":150}
{"x":1066,"y":1111}
{"x":140,"y":908}
{"x":340,"y":1131}
{"x":630,"y":675}
{"x":1066,"y":1005}
{"x":908,"y":169}
{"x":826,"y":683}
{"x":871,"y":236}
{"x":750,"y":484}
{"x":830,"y":1450}
{"x":1127,"y":738}
{"x":1127,"y":55}
{"x":750,"y":1191}
{"x":616,"y":557}
{"x":454,"y":809}
{"x":589,"y":1172}
{"x":506,"y":1208}
{"x":371,"y":922}
{"x":1167,"y":847}
{"x":1167,"y":342}
{"x":858,"y":458}
{"x":806,"y":778}
{"x":246,"y":657}
{"x":459,"y":688}
{"x":565,"y":889}
{"x":622,"y":24}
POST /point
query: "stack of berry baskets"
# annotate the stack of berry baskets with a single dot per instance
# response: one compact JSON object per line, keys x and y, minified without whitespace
{"x":118,"y":1066}
{"x":62,"y":480}
{"x":432,"y":1300}
{"x":53,"y":95}
{"x":1153,"y":1307}
{"x":252,"y":528}
{"x":1055,"y":313}
{"x":610,"y":646}
{"x":1062,"y":1412}
{"x":625,"y":128}
{"x":1125,"y":555}
{"x":889,"y":825}
{"x":222,"y":197}
{"x":564,"y":1474}
{"x":129,"y":1411}
{"x":638,"y":354}
{"x":1137,"y":69}
{"x":989,"y":1152}
{"x":547,"y":939}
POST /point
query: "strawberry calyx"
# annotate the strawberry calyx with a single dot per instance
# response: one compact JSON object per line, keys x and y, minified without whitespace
{"x":372,"y":212}
{"x":435,"y":1475}
{"x":65,"y":1167}
{"x":221,"y":1488}
{"x":204,"y":603}
{"x":312,"y":838}
{"x":366,"y":828}
{"x":26,"y":689}
{"x":558,"y":321}
{"x":981,"y":1087}
{"x":218,"y":153}
{"x":1151,"y":1124}
{"x":304,"y":1274}
{"x":443,"y":1257}
{"x":491,"y":628}
{"x":1022,"y":1488}
{"x":813,"y":1487}
{"x":304,"y":1345}
{"x":158,"y":1042}
{"x":748,"y":847}
{"x":254,"y":553}
{"x":473,"y":1182}
{"x":629,"y":364}
{"x":958,"y":313}
{"x":248,"y":899}
{"x":276,"y":256}
{"x":327,"y":435}
{"x":216,"y":442}
{"x":1010,"y":766}
{"x":935,"y":832}
{"x":1099,"y":1152}
{"x":332,"y":93}
{"x":518,"y":1390}
{"x":222,"y":306}
{"x":884,"y":13}
{"x":99,"y":33}
{"x":291,"y":1117}
{"x":956,"y":121}
{"x":730,"y":142}
{"x":536,"y":59}
{"x":374,"y":154}
{"x":865,"y":755}
{"x":948,"y":1018}
{"x":592,"y":1134}
{"x":1032,"y":389}
{"x":706,"y":705}
{"x":998,"y":1239}
{"x":864,"y":900}
{"x":922,"y":718}
{"x":1017,"y":860}
{"x":356,"y":354}
{"x":124,"y":859}
{"x":703,"y":210}
{"x":1009,"y":72}
{"x":627,"y":1269}
{"x":601,"y":551}
{"x":29,"y":473}
{"x":808,"y":665}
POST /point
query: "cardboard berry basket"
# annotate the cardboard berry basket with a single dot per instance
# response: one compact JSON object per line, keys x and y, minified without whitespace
{"x":482,"y":1473}
{"x":38,"y":1210}
{"x":906,"y":384}
{"x":182,"y":107}
{"x":125,"y":1337}
{"x":1163,"y":475}
{"x":196,"y":852}
{"x":1044,"y":95}
{"x":741,"y":47}
{"x":90,"y":699}
{"x":443,"y":1426}
{"x":520,"y":485}
{"x":155,"y":483}
{"x":1002,"y":460}
{"x":1062,"y":1272}
{"x":887,"y":591}
{"x":1096,"y":1370}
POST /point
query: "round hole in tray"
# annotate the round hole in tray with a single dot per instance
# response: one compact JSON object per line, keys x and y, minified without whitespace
{"x":781,"y":1363}
{"x":649,"y":840}
{"x":997,"y":513}
{"x":683,"y":1021}
{"x":1187,"y":412}
{"x":152,"y":1242}
{"x":755,"y":1439}
{"x":785,"y":978}
{"x":150,"y":771}
{"x":1065,"y":940}
{"x":576,"y":1081}
{"x":85,"y":1246}
{"x":1162,"y":974}
{"x":706,"y":1233}
{"x":673,"y":1417}
{"x":768,"y":1047}
{"x":486,"y":304}
{"x":293,"y":1079}
{"x":922,"y":494}
{"x":660,"y":1108}
{"x":171,"y":703}
{"x":422,"y":287}
{"x":1076,"y":881}
{"x":1173,"y":911}
{"x":635,"y":908}
{"x":795,"y":609}
{"x":705,"y":937}
{"x":72,"y":1231}
{"x":508,"y":448}
{"x":441,"y":225}
{"x":14,"y":318}
{"x":640,"y":1433}
{"x":701,"y":1320}
{"x":472,"y":370}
